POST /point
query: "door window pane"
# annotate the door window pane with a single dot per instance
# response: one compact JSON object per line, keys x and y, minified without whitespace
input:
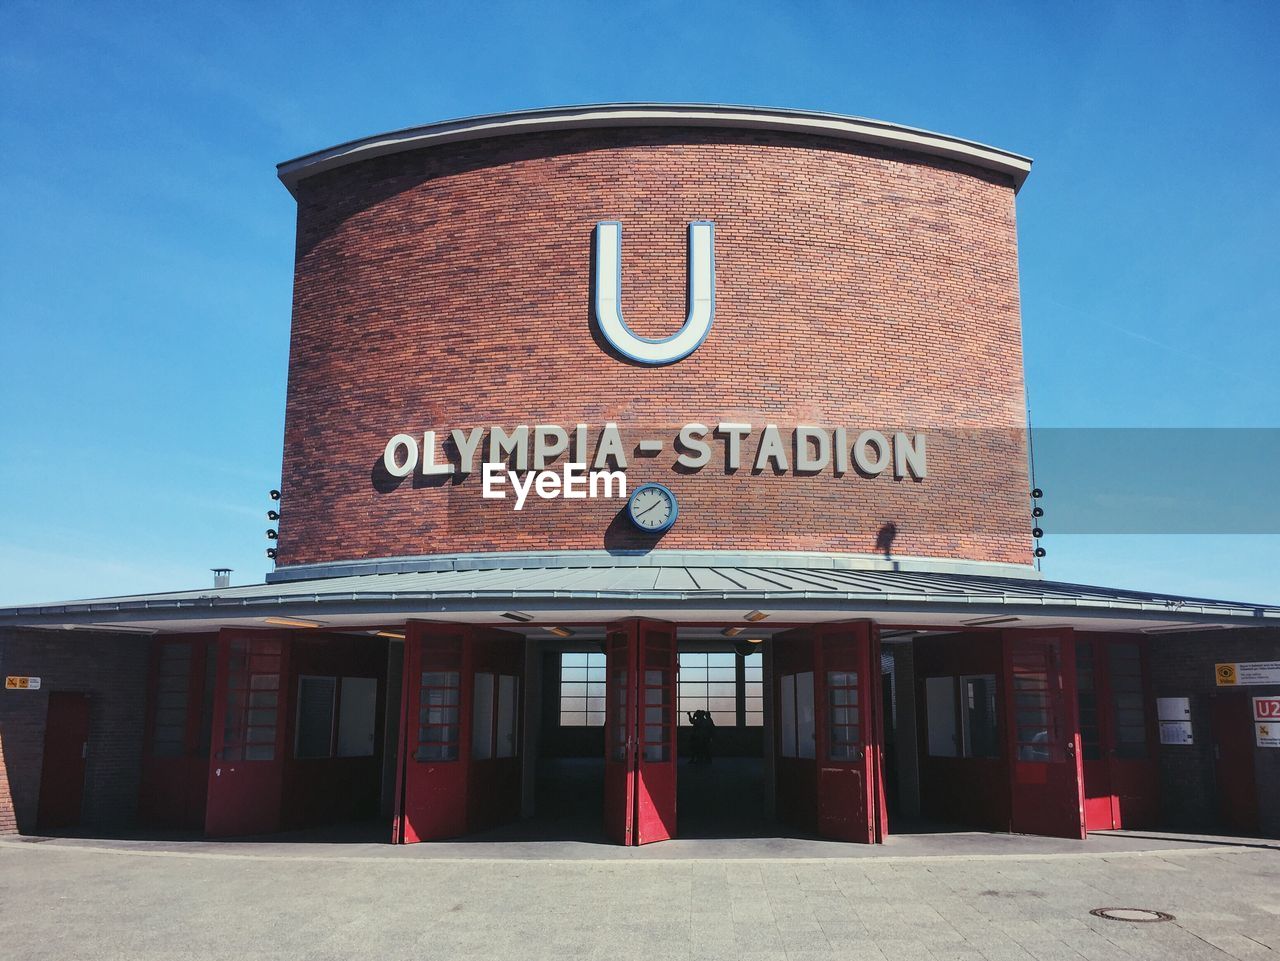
{"x":253,"y":669}
{"x":439,"y":696}
{"x":357,"y":716}
{"x":655,"y":739}
{"x":1033,"y":726}
{"x":940,"y":715}
{"x":844,"y":741}
{"x":787,"y":714}
{"x":753,"y":689}
{"x":173,"y":680}
{"x":482,"y":718}
{"x":806,"y":742}
{"x":1087,"y":703}
{"x":508,"y":700}
{"x":1128,"y":700}
{"x":314,"y":736}
{"x":978,"y":716}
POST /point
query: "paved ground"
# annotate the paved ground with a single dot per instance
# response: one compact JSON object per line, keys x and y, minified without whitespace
{"x":960,"y":896}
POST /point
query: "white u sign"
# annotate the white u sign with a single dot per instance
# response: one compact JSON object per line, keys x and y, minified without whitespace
{"x":702,"y":297}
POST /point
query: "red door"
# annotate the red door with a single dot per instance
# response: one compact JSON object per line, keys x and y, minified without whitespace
{"x":827,"y":731}
{"x":1231,"y":717}
{"x":175,"y":763}
{"x":435,"y":725}
{"x":1099,"y":800}
{"x":1117,"y":736}
{"x":246,"y":762}
{"x":847,"y":746}
{"x":795,"y":735}
{"x":1046,"y":779}
{"x":66,"y":746}
{"x":494,"y":769}
{"x":459,"y":764}
{"x":640,"y":724}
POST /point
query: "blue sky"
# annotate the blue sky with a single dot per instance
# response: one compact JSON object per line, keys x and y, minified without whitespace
{"x":146,"y":247}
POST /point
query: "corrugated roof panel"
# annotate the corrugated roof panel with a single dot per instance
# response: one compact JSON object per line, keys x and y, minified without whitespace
{"x":779,"y":585}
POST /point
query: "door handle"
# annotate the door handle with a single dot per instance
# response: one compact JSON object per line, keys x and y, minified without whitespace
{"x":84,"y":750}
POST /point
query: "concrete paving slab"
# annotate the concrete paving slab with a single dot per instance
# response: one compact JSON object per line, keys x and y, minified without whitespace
{"x":1012,"y":899}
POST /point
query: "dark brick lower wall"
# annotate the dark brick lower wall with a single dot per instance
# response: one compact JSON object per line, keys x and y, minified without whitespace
{"x":112,"y":670}
{"x":1182,"y":665}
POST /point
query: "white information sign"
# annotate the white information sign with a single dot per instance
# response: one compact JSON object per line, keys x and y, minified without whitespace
{"x":1173,"y":709}
{"x":1267,"y":734}
{"x":1175,"y":732}
{"x":19,"y":683}
{"x":1247,"y":672}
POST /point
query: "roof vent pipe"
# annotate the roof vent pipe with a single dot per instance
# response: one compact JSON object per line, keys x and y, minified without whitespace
{"x":221,"y":577}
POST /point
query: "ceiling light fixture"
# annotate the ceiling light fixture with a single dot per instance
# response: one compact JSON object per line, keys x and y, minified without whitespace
{"x":732,"y":631}
{"x":518,"y":616}
{"x":291,"y":622}
{"x":560,"y":631}
{"x":984,"y":621}
{"x":755,"y":615}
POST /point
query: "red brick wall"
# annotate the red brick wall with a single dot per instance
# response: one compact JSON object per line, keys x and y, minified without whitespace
{"x":8,"y":816}
{"x":856,"y":287}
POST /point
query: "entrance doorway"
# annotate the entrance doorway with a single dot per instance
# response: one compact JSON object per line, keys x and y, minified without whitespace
{"x":1117,"y":733}
{"x":822,"y":740}
{"x":722,"y":786}
{"x":826,"y":683}
{"x":724,"y":792}
{"x":1231,"y":722}
{"x":461,"y":751}
{"x":641,"y":734}
{"x":66,"y":746}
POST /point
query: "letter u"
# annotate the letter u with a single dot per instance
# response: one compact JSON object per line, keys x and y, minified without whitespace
{"x":702,"y":297}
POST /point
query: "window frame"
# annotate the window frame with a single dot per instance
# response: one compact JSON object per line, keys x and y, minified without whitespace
{"x":957,"y":706}
{"x":593,"y":689}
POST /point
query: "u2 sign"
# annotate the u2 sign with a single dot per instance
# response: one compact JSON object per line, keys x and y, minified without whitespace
{"x":1266,"y":709}
{"x":1266,"y":721}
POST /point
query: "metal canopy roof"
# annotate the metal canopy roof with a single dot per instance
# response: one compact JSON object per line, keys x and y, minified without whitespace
{"x":688,"y":594}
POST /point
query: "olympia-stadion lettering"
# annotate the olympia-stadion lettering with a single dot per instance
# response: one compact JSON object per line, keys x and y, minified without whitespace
{"x":804,"y":450}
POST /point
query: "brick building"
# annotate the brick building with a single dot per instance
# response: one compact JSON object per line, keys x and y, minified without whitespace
{"x":810,"y":541}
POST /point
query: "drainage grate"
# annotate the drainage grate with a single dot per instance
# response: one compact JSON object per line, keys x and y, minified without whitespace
{"x":1135,"y":915}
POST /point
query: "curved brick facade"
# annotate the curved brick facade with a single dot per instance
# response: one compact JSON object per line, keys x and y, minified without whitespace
{"x":856,"y":286}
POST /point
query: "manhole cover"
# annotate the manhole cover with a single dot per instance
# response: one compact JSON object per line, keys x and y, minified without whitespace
{"x":1138,"y":915}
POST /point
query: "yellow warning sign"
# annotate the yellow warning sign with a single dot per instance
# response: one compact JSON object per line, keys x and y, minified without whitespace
{"x":18,"y":683}
{"x":1226,"y":674}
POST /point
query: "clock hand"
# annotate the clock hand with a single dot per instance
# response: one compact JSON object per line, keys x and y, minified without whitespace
{"x":651,"y":507}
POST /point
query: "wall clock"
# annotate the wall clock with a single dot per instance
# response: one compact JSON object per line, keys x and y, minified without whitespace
{"x":652,"y":508}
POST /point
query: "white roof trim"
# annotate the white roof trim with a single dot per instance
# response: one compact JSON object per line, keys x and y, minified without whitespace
{"x":777,"y":119}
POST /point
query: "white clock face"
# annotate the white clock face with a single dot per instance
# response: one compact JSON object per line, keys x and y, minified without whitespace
{"x":652,"y":508}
